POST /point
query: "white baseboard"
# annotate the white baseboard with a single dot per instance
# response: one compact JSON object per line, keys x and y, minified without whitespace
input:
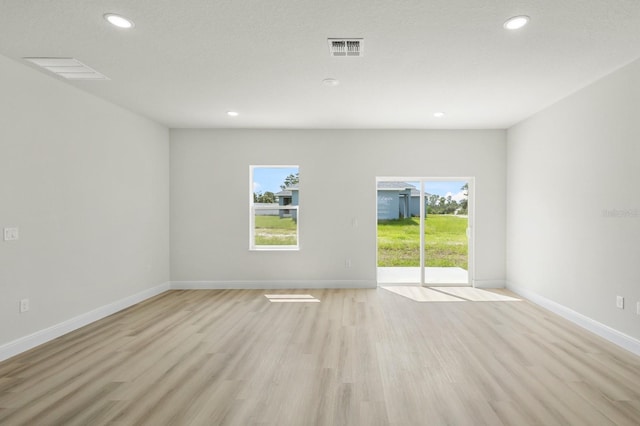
{"x":39,"y":337}
{"x":270,"y":285}
{"x":489,"y":283}
{"x":614,"y":336}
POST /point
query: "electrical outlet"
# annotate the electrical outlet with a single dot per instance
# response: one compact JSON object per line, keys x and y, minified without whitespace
{"x":347,"y":263}
{"x":24,"y":305}
{"x":620,"y":302}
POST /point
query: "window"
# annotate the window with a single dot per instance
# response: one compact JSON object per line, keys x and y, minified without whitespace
{"x":274,"y":204}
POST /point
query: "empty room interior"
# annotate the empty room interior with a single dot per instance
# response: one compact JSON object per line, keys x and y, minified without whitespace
{"x":200,"y":200}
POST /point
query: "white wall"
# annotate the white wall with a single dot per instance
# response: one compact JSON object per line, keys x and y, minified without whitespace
{"x":210,"y":195}
{"x":567,"y":166}
{"x":87,"y":183}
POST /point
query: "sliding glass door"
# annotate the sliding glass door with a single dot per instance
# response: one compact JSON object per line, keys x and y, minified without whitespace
{"x":424,"y":231}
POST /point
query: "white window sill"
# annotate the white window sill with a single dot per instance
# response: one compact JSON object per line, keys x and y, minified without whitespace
{"x":275,"y":248}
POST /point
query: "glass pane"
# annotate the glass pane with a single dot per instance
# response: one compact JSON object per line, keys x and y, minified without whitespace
{"x":275,"y":201}
{"x":277,"y":227}
{"x":446,"y":245}
{"x":398,"y":232}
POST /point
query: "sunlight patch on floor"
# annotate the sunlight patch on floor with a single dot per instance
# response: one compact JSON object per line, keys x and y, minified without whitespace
{"x":448,"y":294}
{"x":475,"y":294}
{"x":291,"y":298}
{"x":421,"y":294}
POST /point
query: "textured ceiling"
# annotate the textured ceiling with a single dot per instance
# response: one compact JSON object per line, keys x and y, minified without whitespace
{"x":187,"y":62}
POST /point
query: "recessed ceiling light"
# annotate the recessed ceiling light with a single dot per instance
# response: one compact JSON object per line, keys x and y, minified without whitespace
{"x":516,"y":22}
{"x":118,"y":21}
{"x":330,"y":82}
{"x":232,"y":114}
{"x":438,"y":114}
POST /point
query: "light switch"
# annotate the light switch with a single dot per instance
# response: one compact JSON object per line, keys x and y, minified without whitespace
{"x":10,"y":234}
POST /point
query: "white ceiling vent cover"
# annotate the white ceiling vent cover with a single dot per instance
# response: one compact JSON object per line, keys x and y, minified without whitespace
{"x":69,"y":68}
{"x":345,"y":46}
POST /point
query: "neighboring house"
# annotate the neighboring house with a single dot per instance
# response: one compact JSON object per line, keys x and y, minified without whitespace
{"x":397,"y":200}
{"x":288,"y":197}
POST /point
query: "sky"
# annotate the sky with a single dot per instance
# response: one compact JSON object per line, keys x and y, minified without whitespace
{"x":443,"y":188}
{"x":270,"y":178}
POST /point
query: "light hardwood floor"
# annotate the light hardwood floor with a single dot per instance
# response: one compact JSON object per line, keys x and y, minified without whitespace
{"x":359,"y":357}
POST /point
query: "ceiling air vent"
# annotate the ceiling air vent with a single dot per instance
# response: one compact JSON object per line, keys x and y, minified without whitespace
{"x":69,"y":68}
{"x":345,"y":46}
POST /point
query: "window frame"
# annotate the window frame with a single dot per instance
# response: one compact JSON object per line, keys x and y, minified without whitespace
{"x":289,"y":208}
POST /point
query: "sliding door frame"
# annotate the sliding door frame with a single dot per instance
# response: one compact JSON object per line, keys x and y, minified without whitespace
{"x":470,"y":180}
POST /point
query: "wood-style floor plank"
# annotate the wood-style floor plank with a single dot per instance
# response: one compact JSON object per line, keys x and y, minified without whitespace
{"x":359,"y":357}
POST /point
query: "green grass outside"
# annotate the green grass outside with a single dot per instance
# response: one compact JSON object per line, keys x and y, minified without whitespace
{"x":445,"y":242}
{"x":273,"y":231}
